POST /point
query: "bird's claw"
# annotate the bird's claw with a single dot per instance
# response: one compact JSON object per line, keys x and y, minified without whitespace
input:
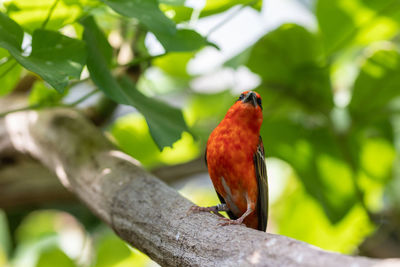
{"x":230,"y":222}
{"x":196,"y":208}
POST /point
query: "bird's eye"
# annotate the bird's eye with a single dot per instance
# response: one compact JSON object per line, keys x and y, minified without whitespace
{"x":241,"y":97}
{"x":259,"y":102}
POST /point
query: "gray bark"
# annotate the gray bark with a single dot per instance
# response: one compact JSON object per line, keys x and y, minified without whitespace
{"x":143,"y":210}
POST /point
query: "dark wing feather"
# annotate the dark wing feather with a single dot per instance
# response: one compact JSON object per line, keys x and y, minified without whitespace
{"x":230,"y":214}
{"x":262,"y":180}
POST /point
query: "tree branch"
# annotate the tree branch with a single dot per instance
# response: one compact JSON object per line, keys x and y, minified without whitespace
{"x":143,"y":210}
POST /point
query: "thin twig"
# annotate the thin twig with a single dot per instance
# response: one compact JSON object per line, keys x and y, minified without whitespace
{"x":39,"y":106}
{"x":30,"y":107}
{"x":226,"y":19}
{"x":50,"y":13}
{"x":229,"y":17}
{"x":83,"y":98}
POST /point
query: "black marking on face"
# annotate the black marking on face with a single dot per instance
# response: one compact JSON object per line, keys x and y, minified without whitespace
{"x":250,"y":97}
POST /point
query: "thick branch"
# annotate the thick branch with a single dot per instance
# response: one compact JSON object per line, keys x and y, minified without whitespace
{"x":143,"y":210}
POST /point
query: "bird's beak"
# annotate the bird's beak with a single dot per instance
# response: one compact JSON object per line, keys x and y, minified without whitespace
{"x":250,"y":97}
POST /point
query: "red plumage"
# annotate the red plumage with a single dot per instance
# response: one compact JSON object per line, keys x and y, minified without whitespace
{"x":235,"y":160}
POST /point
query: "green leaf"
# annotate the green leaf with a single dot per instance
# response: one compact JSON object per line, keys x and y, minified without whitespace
{"x":289,"y":61}
{"x":31,"y":14}
{"x":11,"y":34}
{"x":183,"y":40}
{"x":173,"y":2}
{"x":177,"y":13}
{"x":166,"y":123}
{"x":296,"y":204}
{"x":150,"y":15}
{"x":99,"y":55}
{"x":147,"y":12}
{"x":217,"y":6}
{"x":377,"y":83}
{"x":54,"y":57}
{"x":314,"y":155}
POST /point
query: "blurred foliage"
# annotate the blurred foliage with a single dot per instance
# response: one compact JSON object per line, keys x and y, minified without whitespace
{"x":331,"y":110}
{"x":144,"y":149}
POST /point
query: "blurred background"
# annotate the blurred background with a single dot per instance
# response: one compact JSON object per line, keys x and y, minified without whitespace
{"x":329,"y":76}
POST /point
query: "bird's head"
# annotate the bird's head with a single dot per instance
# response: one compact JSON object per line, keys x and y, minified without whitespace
{"x":247,"y":110}
{"x":252,"y":98}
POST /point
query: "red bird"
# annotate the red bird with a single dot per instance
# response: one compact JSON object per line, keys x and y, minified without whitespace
{"x":235,"y":161}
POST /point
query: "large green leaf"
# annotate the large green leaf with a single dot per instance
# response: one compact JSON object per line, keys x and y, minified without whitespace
{"x":150,"y":15}
{"x":166,"y":123}
{"x":177,"y":13}
{"x":11,"y":34}
{"x":173,"y":2}
{"x":377,"y":83}
{"x":300,"y":216}
{"x":314,"y":154}
{"x":182,"y":40}
{"x":99,"y":56}
{"x":289,"y":60}
{"x":54,"y":57}
{"x":147,"y":12}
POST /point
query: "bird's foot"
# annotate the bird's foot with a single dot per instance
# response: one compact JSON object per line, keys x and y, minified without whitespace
{"x":213,"y":209}
{"x":227,"y":221}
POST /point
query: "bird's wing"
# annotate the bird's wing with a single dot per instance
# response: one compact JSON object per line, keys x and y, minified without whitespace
{"x":230,"y":213}
{"x":262,"y":180}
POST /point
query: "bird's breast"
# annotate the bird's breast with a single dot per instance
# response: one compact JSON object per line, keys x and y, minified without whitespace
{"x":230,"y":163}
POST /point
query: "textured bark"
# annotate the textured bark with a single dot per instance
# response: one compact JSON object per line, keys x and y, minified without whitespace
{"x":143,"y":210}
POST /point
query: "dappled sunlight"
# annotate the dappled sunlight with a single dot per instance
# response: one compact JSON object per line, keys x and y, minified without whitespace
{"x":18,"y":133}
{"x":121,"y":155}
{"x":61,"y":174}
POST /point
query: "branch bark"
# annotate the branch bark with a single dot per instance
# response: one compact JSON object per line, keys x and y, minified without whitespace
{"x":143,"y":210}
